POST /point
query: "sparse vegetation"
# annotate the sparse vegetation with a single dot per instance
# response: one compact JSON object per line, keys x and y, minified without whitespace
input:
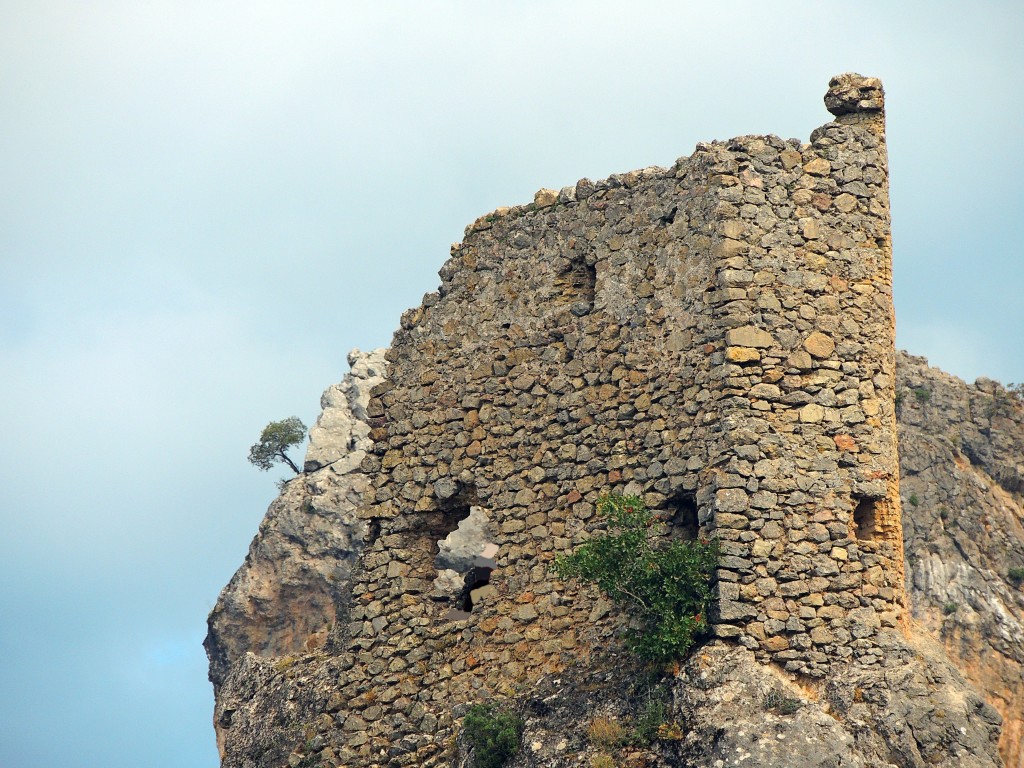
{"x":784,"y":705}
{"x":790,"y":706}
{"x":914,"y":501}
{"x":284,"y":663}
{"x":606,"y":732}
{"x":670,"y":731}
{"x":665,"y":583}
{"x":922,"y":394}
{"x":653,"y":715}
{"x":950,"y":608}
{"x":602,"y":760}
{"x":275,"y":440}
{"x":493,"y":734}
{"x":1016,"y":575}
{"x":1006,"y":399}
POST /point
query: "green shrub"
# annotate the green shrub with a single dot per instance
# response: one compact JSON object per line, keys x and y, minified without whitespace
{"x":493,"y":735}
{"x":949,"y":608}
{"x":790,"y":706}
{"x":1016,"y":575}
{"x":914,"y":501}
{"x":666,"y":583}
{"x":922,"y":394}
{"x":785,"y":705}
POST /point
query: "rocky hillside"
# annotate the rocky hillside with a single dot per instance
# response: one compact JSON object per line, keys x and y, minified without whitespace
{"x":962,"y":483}
{"x":962,"y":459}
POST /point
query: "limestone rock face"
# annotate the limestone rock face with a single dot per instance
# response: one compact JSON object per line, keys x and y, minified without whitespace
{"x":341,"y":429}
{"x":962,"y":481}
{"x":284,"y":598}
{"x":723,"y":708}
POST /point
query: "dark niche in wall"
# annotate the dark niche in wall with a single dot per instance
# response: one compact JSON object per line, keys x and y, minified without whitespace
{"x":865,"y":519}
{"x":681,"y":516}
{"x":479,"y":576}
{"x":577,"y":285}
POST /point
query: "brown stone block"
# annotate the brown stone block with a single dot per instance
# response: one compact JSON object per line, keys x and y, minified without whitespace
{"x":741,"y":354}
{"x":819,"y":166}
{"x":775,"y":644}
{"x":846,"y":443}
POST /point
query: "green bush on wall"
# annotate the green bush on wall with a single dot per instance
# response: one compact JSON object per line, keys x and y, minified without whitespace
{"x":493,"y":735}
{"x":667,"y":583}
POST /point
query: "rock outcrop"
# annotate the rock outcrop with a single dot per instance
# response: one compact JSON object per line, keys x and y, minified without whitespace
{"x":962,"y":476}
{"x":283,"y":600}
{"x":724,"y":708}
{"x":717,"y":337}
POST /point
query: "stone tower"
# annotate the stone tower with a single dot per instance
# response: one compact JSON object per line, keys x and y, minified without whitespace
{"x":801,"y":483}
{"x":717,"y":337}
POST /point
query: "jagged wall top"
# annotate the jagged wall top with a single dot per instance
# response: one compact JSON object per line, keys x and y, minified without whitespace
{"x":851,"y":94}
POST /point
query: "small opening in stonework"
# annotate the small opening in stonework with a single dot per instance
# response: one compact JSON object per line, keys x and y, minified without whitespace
{"x":372,"y":532}
{"x":578,"y":284}
{"x":476,"y":585}
{"x":682,"y":516}
{"x":865,"y":521}
{"x":464,"y":563}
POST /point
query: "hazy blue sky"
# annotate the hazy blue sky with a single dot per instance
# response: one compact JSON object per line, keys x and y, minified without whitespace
{"x":205,"y":205}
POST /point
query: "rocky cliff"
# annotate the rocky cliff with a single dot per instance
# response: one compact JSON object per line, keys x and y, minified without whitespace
{"x":962,"y":478}
{"x":716,"y":336}
{"x":284,"y":599}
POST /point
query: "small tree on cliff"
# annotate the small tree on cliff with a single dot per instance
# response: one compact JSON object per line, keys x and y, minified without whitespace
{"x":276,"y":439}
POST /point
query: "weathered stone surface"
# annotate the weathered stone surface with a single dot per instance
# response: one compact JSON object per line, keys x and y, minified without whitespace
{"x":850,"y":93}
{"x":741,"y":354}
{"x":342,"y":424}
{"x":819,"y":345}
{"x":812,"y":413}
{"x":749,"y":336}
{"x":961,"y":449}
{"x":545,"y":198}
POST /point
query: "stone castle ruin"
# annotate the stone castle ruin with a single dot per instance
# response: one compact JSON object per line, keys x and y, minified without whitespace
{"x":716,"y":337}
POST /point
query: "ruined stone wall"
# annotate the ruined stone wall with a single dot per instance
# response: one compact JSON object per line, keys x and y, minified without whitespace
{"x":716,"y":337}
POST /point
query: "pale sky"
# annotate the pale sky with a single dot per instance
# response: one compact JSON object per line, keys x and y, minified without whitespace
{"x":205,"y":205}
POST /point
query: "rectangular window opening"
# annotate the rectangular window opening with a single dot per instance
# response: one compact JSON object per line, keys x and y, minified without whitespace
{"x":865,"y":519}
{"x":682,"y":516}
